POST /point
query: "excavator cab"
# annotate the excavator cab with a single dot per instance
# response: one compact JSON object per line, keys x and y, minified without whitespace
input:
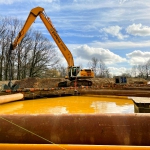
{"x":73,"y":72}
{"x":77,"y":77}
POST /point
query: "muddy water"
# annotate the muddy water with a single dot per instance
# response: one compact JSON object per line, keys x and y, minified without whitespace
{"x":70,"y":104}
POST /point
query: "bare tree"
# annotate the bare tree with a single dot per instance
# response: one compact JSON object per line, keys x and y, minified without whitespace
{"x":22,"y":51}
{"x":3,"y":43}
{"x":102,"y":69}
{"x":42,"y":54}
{"x":134,"y":71}
{"x":33,"y":55}
{"x":99,"y":68}
{"x":93,"y":63}
{"x":147,"y":68}
{"x":13,"y":26}
{"x":144,"y":70}
{"x":62,"y":70}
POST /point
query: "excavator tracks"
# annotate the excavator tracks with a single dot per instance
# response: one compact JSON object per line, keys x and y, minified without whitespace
{"x":81,"y":83}
{"x":75,"y":83}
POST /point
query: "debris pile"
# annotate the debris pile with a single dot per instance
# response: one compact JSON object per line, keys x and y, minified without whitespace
{"x":38,"y":82}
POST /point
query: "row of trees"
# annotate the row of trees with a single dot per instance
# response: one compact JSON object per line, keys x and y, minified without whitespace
{"x":32,"y":57}
{"x":36,"y":56}
{"x":142,"y":71}
{"x":99,"y":68}
{"x":137,"y":71}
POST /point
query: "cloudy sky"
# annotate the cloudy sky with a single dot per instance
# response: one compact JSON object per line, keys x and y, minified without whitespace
{"x":115,"y":31}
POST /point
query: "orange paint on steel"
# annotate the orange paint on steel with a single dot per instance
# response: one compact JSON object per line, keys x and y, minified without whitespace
{"x":8,"y":91}
{"x":68,"y":147}
{"x":32,"y":89}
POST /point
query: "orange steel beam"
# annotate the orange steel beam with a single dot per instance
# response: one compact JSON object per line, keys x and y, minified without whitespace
{"x":68,"y":147}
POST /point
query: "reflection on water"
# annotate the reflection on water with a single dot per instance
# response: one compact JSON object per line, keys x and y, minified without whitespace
{"x":105,"y":107}
{"x":58,"y":110}
{"x":71,"y":104}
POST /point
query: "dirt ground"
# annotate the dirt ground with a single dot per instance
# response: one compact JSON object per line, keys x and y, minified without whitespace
{"x":53,"y":82}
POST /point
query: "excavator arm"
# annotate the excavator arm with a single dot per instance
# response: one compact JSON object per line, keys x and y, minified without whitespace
{"x":74,"y":72}
{"x":38,"y":11}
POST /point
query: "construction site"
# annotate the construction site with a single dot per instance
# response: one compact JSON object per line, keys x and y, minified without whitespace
{"x":47,"y":87}
{"x":118,"y":130}
{"x":66,"y":113}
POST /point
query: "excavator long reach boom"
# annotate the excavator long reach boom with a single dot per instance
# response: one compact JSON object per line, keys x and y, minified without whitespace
{"x":38,"y":11}
{"x":74,"y":72}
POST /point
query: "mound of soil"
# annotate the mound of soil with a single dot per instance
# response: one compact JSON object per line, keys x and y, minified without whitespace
{"x":39,"y":82}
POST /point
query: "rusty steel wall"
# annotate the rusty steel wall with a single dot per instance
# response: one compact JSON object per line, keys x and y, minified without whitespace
{"x":96,"y":129}
{"x":32,"y":93}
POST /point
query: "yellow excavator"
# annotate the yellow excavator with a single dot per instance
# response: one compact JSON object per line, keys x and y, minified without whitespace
{"x":75,"y":74}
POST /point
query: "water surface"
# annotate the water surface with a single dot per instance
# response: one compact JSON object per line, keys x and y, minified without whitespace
{"x":70,"y":104}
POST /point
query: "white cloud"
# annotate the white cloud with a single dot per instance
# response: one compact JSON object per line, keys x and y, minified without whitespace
{"x":123,"y":1}
{"x":9,"y":1}
{"x":46,"y":1}
{"x":138,"y":53}
{"x":121,"y":45}
{"x":15,"y":1}
{"x":138,"y":30}
{"x":108,"y":57}
{"x":138,"y":57}
{"x":117,"y":70}
{"x":115,"y":31}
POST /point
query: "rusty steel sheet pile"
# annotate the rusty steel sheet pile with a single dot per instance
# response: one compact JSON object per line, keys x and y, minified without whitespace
{"x":33,"y":93}
{"x":89,"y":129}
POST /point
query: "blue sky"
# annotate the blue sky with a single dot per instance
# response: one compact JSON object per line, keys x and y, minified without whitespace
{"x":116,"y":31}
